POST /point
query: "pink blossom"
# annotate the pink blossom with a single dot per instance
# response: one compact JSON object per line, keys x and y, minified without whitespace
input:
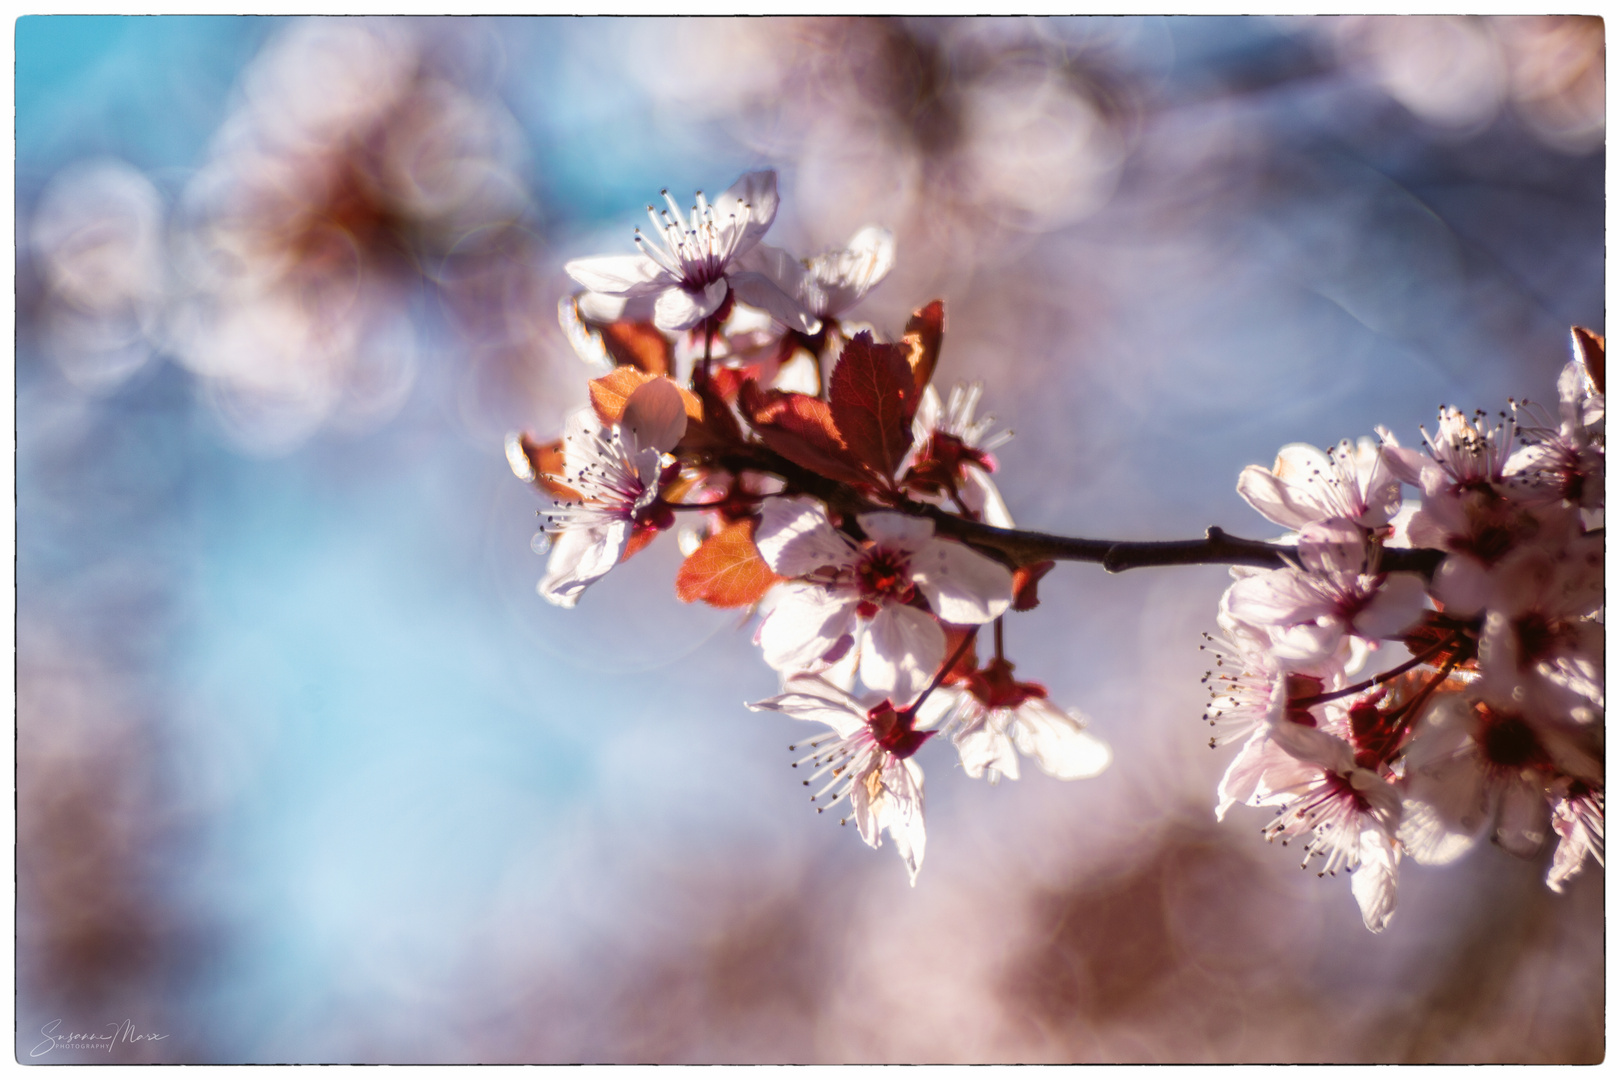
{"x":1463,"y":451}
{"x":832,"y":282}
{"x":691,"y":265}
{"x":1250,"y":688}
{"x":847,"y":595}
{"x":994,"y":715}
{"x":1577,"y":818}
{"x":617,"y":473}
{"x":1349,"y":813}
{"x":1540,"y":634}
{"x":866,"y":756}
{"x":1306,"y":485}
{"x":1477,"y":764}
{"x":1562,"y":461}
{"x":952,"y":453}
{"x":1308,"y":610}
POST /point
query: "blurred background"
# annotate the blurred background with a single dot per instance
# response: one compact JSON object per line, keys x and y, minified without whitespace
{"x":307,"y":771}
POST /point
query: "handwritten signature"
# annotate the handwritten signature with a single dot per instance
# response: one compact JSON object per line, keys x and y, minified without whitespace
{"x":114,"y":1033}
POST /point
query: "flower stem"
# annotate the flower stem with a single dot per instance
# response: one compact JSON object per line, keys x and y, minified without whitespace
{"x":1382,"y":677}
{"x":946,"y":669}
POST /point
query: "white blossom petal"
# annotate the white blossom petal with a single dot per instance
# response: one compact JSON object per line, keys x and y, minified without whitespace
{"x":980,"y":495}
{"x":1462,"y":585}
{"x":620,"y":275}
{"x":751,"y":204}
{"x":1394,"y":608}
{"x":1373,"y":880}
{"x":962,"y":586}
{"x":1446,"y":808}
{"x":813,"y":698}
{"x":804,"y":626}
{"x":1244,"y":778}
{"x":1058,"y":742}
{"x":896,"y":532}
{"x":1522,"y":820}
{"x":679,"y":308}
{"x":654,"y":416}
{"x":757,"y":290}
{"x":900,"y":652}
{"x":1274,"y":498}
{"x":988,"y":746}
{"x":781,"y":267}
{"x":579,"y":557}
{"x":795,"y":538}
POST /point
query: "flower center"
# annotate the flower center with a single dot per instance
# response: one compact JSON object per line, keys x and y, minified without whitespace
{"x":997,"y":689}
{"x":1537,"y":638}
{"x":893,"y":731}
{"x":1297,"y":688}
{"x":1495,"y":527}
{"x":883,"y":576}
{"x":1376,"y":733}
{"x":1507,"y":740}
{"x":940,"y":466}
{"x":1340,"y":787}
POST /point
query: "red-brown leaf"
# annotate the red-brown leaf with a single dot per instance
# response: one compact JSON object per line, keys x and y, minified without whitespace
{"x":719,"y":428}
{"x":726,"y":571}
{"x":872,"y":396}
{"x":728,"y":381}
{"x":923,"y":336}
{"x":640,"y":345}
{"x":1449,"y":640}
{"x":968,"y":662}
{"x":639,"y":538}
{"x":1025,"y":581}
{"x":546,"y":463}
{"x":611,"y":391}
{"x":801,"y":429}
{"x":1589,"y":347}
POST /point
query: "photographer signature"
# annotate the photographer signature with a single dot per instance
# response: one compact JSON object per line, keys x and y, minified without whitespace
{"x":115,"y":1033}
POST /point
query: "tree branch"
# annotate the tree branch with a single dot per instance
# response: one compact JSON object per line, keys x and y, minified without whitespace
{"x":1022,"y":547}
{"x":1217,"y":547}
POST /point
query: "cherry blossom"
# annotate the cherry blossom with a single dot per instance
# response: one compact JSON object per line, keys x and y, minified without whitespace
{"x":1577,"y":818}
{"x":846,"y":595}
{"x":1463,"y":451}
{"x":951,"y":454}
{"x":828,"y":485}
{"x":994,"y":715}
{"x":1252,"y":692}
{"x":616,"y":473}
{"x":1250,"y":688}
{"x":834,"y":281}
{"x":1306,"y":486}
{"x":1539,"y":630}
{"x":1562,"y":461}
{"x":866,"y":757}
{"x":1349,"y":813}
{"x":1477,"y":764}
{"x":1336,"y":591}
{"x":690,"y":264}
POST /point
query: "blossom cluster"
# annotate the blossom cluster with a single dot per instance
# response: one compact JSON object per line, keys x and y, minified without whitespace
{"x":1493,"y":724}
{"x":813,"y":474}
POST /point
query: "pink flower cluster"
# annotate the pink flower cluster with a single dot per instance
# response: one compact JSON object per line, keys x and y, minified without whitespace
{"x":816,"y":477}
{"x":814,"y":463}
{"x":1493,"y":725}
